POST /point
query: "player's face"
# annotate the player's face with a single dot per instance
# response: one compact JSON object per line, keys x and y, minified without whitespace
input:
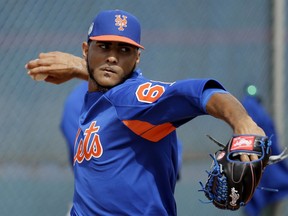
{"x":110,"y":63}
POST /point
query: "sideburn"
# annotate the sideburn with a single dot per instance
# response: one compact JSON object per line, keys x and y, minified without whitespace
{"x":99,"y":87}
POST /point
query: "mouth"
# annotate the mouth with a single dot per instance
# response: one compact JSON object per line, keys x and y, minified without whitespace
{"x":108,"y":69}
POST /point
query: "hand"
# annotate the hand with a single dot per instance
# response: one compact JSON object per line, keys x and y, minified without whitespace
{"x":250,"y":127}
{"x":229,"y":109}
{"x":59,"y":66}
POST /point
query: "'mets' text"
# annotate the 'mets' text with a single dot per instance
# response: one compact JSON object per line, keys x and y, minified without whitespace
{"x":90,"y":146}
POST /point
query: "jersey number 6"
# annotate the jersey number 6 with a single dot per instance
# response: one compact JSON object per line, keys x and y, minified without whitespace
{"x":148,"y":94}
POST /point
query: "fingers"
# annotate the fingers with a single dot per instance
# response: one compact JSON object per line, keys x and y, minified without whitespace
{"x":37,"y":70}
{"x":244,"y":158}
{"x":44,"y":59}
{"x":247,"y":158}
{"x":31,"y":64}
{"x":39,"y":62}
{"x":253,"y":157}
{"x":46,"y":63}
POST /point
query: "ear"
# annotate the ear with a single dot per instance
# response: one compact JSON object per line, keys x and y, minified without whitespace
{"x":85,"y":48}
{"x":138,"y":57}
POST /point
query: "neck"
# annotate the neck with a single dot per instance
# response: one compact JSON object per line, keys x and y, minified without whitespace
{"x":94,"y":87}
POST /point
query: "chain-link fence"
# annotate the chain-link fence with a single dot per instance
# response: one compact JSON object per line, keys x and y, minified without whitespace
{"x":227,"y":40}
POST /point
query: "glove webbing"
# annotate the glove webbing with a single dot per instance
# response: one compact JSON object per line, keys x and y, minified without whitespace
{"x":222,"y":189}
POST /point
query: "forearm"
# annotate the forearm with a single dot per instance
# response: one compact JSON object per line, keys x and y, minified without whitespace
{"x":80,"y":69}
{"x":229,"y":109}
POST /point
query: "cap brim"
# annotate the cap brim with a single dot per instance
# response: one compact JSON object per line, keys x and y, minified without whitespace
{"x":116,"y":38}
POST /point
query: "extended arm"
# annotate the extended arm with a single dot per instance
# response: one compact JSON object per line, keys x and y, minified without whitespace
{"x":229,"y":109}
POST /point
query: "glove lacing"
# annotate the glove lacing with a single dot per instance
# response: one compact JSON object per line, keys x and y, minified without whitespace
{"x":221,"y":187}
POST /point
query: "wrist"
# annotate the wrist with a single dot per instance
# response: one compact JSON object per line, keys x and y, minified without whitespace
{"x":247,"y":126}
{"x":80,"y":69}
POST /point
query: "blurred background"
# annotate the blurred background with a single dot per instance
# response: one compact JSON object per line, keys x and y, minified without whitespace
{"x":236,"y":42}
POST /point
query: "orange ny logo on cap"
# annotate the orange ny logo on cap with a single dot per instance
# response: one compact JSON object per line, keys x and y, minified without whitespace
{"x":121,"y":22}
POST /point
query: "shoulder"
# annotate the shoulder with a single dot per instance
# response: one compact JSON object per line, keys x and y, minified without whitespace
{"x":137,"y":89}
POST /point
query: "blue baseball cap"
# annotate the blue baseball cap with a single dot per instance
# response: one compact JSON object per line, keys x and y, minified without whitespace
{"x":116,"y":25}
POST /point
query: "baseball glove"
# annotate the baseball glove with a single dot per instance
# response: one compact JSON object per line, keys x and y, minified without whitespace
{"x":231,"y":183}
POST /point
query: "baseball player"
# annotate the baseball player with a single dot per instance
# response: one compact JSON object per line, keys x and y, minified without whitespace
{"x":125,"y":150}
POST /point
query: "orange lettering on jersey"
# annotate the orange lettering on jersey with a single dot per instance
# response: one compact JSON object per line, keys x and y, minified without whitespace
{"x":79,"y":153}
{"x":147,"y":94}
{"x":84,"y":151}
{"x":95,"y":147}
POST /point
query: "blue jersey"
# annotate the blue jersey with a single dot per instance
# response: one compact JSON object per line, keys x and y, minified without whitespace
{"x":125,"y":153}
{"x":70,"y":116}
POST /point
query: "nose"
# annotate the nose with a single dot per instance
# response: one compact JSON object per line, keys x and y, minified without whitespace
{"x":112,"y":57}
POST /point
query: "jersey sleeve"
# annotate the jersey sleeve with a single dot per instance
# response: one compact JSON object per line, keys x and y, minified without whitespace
{"x":207,"y":93}
{"x":164,"y":106}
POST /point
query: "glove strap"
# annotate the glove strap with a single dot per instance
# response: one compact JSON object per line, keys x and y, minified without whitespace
{"x":277,"y":158}
{"x":215,"y":141}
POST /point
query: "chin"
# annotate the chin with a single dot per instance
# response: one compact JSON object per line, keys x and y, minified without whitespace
{"x":107,"y":85}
